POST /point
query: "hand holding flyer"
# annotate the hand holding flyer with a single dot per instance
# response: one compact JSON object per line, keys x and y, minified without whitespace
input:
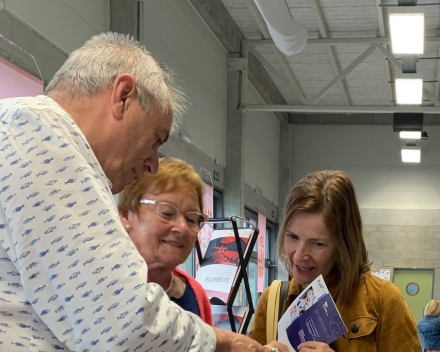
{"x":313,"y":316}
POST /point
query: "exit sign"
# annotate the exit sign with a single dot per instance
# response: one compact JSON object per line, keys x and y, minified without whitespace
{"x":216,"y":176}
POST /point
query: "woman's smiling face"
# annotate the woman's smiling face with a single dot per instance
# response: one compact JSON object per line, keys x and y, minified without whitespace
{"x":309,"y":247}
{"x":163,"y":244}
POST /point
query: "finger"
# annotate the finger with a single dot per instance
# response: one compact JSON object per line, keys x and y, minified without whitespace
{"x":313,"y":345}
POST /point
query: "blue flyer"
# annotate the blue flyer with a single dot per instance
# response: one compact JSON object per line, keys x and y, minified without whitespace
{"x":313,"y":316}
{"x":320,"y":322}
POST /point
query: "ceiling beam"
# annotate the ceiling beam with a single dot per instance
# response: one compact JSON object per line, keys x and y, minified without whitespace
{"x":426,"y":92}
{"x":340,"y":41}
{"x":342,"y":74}
{"x":342,"y":109}
{"x":437,"y":74}
{"x":382,"y":34}
{"x":268,"y":65}
{"x":323,"y":30}
{"x":355,"y":119}
{"x":27,"y":49}
{"x":296,"y":88}
{"x":218,"y":19}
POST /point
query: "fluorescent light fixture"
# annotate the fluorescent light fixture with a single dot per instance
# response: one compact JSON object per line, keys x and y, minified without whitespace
{"x":407,"y":26}
{"x":410,"y":134}
{"x":411,"y":154}
{"x":409,"y":89}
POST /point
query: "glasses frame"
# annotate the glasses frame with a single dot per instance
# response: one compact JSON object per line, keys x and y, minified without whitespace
{"x":179,"y":213}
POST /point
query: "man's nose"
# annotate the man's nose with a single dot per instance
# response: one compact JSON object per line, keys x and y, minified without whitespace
{"x":151,"y":164}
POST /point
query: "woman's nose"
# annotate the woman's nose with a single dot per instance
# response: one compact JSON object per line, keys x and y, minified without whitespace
{"x":181,"y":225}
{"x":301,"y":251}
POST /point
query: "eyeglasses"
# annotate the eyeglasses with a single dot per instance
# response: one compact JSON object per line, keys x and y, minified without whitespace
{"x":169,"y":213}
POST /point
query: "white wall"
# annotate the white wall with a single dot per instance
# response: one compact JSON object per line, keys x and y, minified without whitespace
{"x":177,"y":36}
{"x":389,"y":191}
{"x":262,"y":149}
{"x":66,"y":23}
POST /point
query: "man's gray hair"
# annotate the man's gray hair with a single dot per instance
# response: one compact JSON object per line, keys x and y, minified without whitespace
{"x":94,"y":67}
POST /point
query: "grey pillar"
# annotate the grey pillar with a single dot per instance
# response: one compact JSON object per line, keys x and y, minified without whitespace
{"x":286,"y":178}
{"x":286,"y":165}
{"x":233,"y":195}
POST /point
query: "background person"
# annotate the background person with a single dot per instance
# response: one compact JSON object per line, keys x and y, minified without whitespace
{"x":429,"y":327}
{"x":71,"y":278}
{"x":162,"y":213}
{"x":321,"y":233}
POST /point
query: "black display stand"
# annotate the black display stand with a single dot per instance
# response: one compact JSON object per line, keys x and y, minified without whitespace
{"x":244,"y":257}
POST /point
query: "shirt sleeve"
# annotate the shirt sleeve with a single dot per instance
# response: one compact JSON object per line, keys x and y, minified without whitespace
{"x":79,"y":269}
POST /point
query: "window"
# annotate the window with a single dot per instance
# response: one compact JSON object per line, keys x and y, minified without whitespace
{"x":269,"y":272}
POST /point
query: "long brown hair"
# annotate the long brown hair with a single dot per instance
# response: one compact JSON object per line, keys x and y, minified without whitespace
{"x":331,"y":194}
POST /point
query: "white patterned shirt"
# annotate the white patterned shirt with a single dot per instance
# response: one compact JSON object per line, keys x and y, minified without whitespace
{"x":70,"y":277}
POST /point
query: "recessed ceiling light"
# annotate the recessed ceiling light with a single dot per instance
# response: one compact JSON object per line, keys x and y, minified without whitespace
{"x":409,"y":89}
{"x":407,"y":26}
{"x":410,"y":134}
{"x":411,"y":154}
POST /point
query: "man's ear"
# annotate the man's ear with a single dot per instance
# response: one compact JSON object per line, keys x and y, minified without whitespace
{"x":124,"y":87}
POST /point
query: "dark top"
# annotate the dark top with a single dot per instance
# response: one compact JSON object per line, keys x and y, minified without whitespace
{"x":429,"y":333}
{"x":188,"y":301}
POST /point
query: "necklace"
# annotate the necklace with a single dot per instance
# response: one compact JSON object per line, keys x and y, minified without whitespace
{"x":171,"y":283}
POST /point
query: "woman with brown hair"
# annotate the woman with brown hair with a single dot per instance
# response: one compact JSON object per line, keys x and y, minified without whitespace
{"x":321,"y":233}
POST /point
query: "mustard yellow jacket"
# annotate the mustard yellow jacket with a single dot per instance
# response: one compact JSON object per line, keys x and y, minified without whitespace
{"x":377,"y":318}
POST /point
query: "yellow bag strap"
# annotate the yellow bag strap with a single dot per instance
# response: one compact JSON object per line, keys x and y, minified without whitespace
{"x":272,"y":309}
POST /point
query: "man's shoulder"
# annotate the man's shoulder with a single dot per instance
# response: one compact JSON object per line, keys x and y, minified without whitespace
{"x":25,"y":102}
{"x":15,"y":109}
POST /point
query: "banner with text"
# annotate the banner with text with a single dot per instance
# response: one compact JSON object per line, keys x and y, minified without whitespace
{"x":261,"y":251}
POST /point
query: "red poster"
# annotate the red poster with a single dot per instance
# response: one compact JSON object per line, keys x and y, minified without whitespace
{"x":261,"y":251}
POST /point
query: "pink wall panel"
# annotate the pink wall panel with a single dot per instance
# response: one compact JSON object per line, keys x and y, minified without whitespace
{"x":14,"y":82}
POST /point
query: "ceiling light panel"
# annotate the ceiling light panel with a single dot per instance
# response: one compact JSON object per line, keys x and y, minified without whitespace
{"x":410,"y":134}
{"x":411,"y":155}
{"x":407,"y":30}
{"x":409,"y":89}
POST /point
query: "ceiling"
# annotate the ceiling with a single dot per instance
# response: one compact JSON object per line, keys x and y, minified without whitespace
{"x":353,"y":75}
